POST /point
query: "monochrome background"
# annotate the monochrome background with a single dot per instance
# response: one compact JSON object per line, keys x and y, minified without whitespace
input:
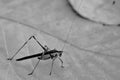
{"x":92,"y":50}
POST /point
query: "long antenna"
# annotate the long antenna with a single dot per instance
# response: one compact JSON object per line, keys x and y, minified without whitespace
{"x":67,"y":35}
{"x":70,"y":29}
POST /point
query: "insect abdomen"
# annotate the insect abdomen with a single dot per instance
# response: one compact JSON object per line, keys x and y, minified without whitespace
{"x":44,"y":57}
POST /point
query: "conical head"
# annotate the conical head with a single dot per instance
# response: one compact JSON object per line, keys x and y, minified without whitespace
{"x":60,"y":53}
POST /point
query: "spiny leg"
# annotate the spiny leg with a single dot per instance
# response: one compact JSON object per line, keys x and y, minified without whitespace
{"x":61,"y":62}
{"x":39,"y":43}
{"x":19,"y":49}
{"x":45,"y":48}
{"x":34,"y":68}
{"x":52,"y":66}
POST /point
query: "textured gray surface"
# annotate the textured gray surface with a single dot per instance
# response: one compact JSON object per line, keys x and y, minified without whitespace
{"x":102,"y":11}
{"x":92,"y":50}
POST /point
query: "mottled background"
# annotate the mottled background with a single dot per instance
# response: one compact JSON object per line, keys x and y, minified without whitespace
{"x":101,"y":11}
{"x":91,"y":50}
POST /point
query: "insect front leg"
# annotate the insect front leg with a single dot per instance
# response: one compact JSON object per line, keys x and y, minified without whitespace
{"x":19,"y":49}
{"x":61,"y":62}
{"x":34,"y":68}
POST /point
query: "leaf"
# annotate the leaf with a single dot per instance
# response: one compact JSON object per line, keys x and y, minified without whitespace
{"x":89,"y":47}
{"x":14,"y":37}
{"x":94,"y":10}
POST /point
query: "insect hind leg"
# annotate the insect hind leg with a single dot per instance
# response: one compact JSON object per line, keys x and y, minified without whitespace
{"x":39,"y":43}
{"x":20,"y":49}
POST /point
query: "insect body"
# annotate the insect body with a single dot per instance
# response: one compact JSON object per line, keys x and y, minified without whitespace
{"x":45,"y":55}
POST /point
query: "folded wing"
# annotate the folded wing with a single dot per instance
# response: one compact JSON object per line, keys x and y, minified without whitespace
{"x":29,"y":57}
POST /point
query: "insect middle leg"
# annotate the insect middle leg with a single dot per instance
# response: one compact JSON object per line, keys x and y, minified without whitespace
{"x":34,"y":68}
{"x":52,"y":66}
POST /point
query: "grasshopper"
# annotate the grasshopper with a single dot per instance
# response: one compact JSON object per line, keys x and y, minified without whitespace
{"x":45,"y":55}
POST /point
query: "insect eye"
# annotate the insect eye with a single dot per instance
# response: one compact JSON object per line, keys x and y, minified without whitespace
{"x":60,"y":54}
